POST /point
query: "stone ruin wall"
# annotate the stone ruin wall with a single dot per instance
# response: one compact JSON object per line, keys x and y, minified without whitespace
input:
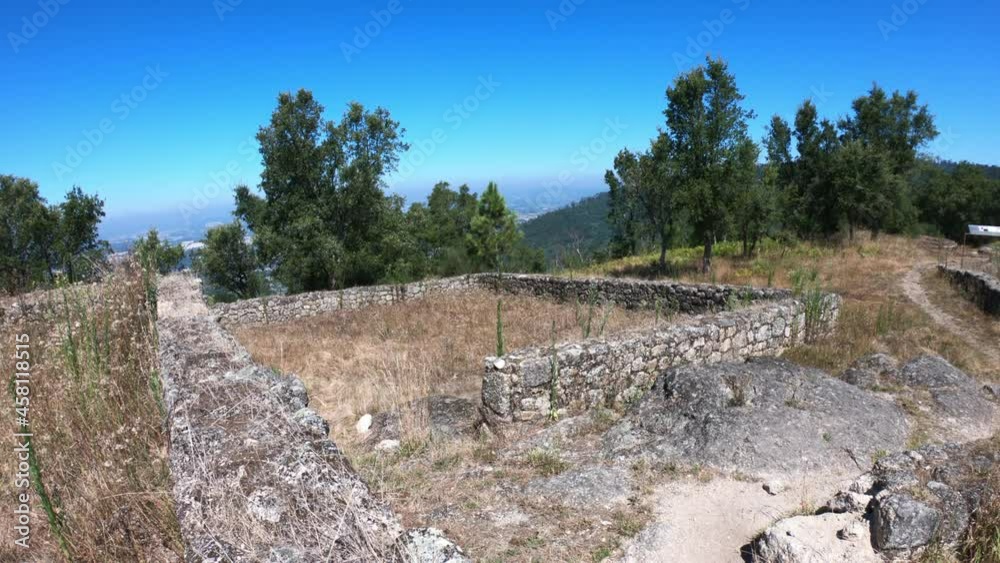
{"x":981,"y":288}
{"x":608,"y":371}
{"x":535,"y":382}
{"x":686,"y":298}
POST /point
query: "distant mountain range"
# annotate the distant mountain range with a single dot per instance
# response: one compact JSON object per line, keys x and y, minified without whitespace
{"x":182,"y":224}
{"x":580,"y":228}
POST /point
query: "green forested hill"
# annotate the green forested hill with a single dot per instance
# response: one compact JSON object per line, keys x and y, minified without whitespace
{"x":579,"y":228}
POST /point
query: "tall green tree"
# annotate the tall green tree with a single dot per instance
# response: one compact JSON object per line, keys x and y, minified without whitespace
{"x":156,"y":254}
{"x":440,"y":228}
{"x":710,"y":147}
{"x":323,"y":219}
{"x":228,"y":262}
{"x":77,"y":246}
{"x":644,"y":197}
{"x":27,"y":229}
{"x":817,"y":211}
{"x":494,"y":231}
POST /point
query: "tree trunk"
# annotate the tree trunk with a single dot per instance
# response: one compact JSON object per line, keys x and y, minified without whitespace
{"x":664,"y":239}
{"x":706,"y":260}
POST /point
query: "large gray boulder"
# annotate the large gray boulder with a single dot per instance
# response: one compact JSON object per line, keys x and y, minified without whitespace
{"x":869,"y":372}
{"x":929,"y":494}
{"x":902,"y":522}
{"x":760,"y":417}
{"x":959,"y":406}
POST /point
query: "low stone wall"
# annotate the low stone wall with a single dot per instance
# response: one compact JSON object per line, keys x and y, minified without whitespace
{"x":684,"y":298}
{"x":256,"y":477}
{"x":284,"y":308}
{"x":636,"y":294}
{"x":574,"y":376}
{"x":982,"y":288}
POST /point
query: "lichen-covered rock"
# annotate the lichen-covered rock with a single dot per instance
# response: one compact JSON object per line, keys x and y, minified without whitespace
{"x":902,"y":522}
{"x":960,"y":408}
{"x":443,"y":417}
{"x":847,"y":501}
{"x":594,"y":486}
{"x":429,"y":545}
{"x":948,"y":481}
{"x":760,"y":417}
{"x":451,"y":417}
{"x":869,"y":371}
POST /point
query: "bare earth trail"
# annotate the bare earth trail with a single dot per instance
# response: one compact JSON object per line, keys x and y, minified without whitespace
{"x":915,"y":292}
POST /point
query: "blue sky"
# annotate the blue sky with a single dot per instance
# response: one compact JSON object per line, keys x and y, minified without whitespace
{"x":551,"y":90}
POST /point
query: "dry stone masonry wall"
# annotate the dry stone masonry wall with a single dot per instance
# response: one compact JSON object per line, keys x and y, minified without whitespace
{"x":614,"y":371}
{"x":685,"y":298}
{"x":982,"y":288}
{"x":256,"y":477}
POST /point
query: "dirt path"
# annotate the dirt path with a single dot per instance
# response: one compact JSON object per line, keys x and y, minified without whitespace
{"x":708,"y":522}
{"x":916,"y":293}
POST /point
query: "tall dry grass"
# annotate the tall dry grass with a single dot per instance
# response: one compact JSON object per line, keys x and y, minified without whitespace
{"x":100,"y":473}
{"x":378,"y":358}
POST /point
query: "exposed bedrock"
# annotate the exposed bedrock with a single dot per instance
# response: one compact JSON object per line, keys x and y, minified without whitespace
{"x":764,"y":416}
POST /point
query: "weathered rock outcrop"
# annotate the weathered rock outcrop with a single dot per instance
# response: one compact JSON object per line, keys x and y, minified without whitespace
{"x":908,"y":501}
{"x":764,"y":416}
{"x":255,"y":476}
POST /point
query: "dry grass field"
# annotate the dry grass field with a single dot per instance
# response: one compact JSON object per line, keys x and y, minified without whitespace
{"x":99,"y":475}
{"x":378,"y":358}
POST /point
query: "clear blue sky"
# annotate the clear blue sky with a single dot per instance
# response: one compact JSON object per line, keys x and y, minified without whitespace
{"x":557,"y":81}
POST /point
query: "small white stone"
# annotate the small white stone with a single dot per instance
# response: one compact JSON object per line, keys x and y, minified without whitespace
{"x":364,"y":424}
{"x":499,"y":363}
{"x":387,"y":446}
